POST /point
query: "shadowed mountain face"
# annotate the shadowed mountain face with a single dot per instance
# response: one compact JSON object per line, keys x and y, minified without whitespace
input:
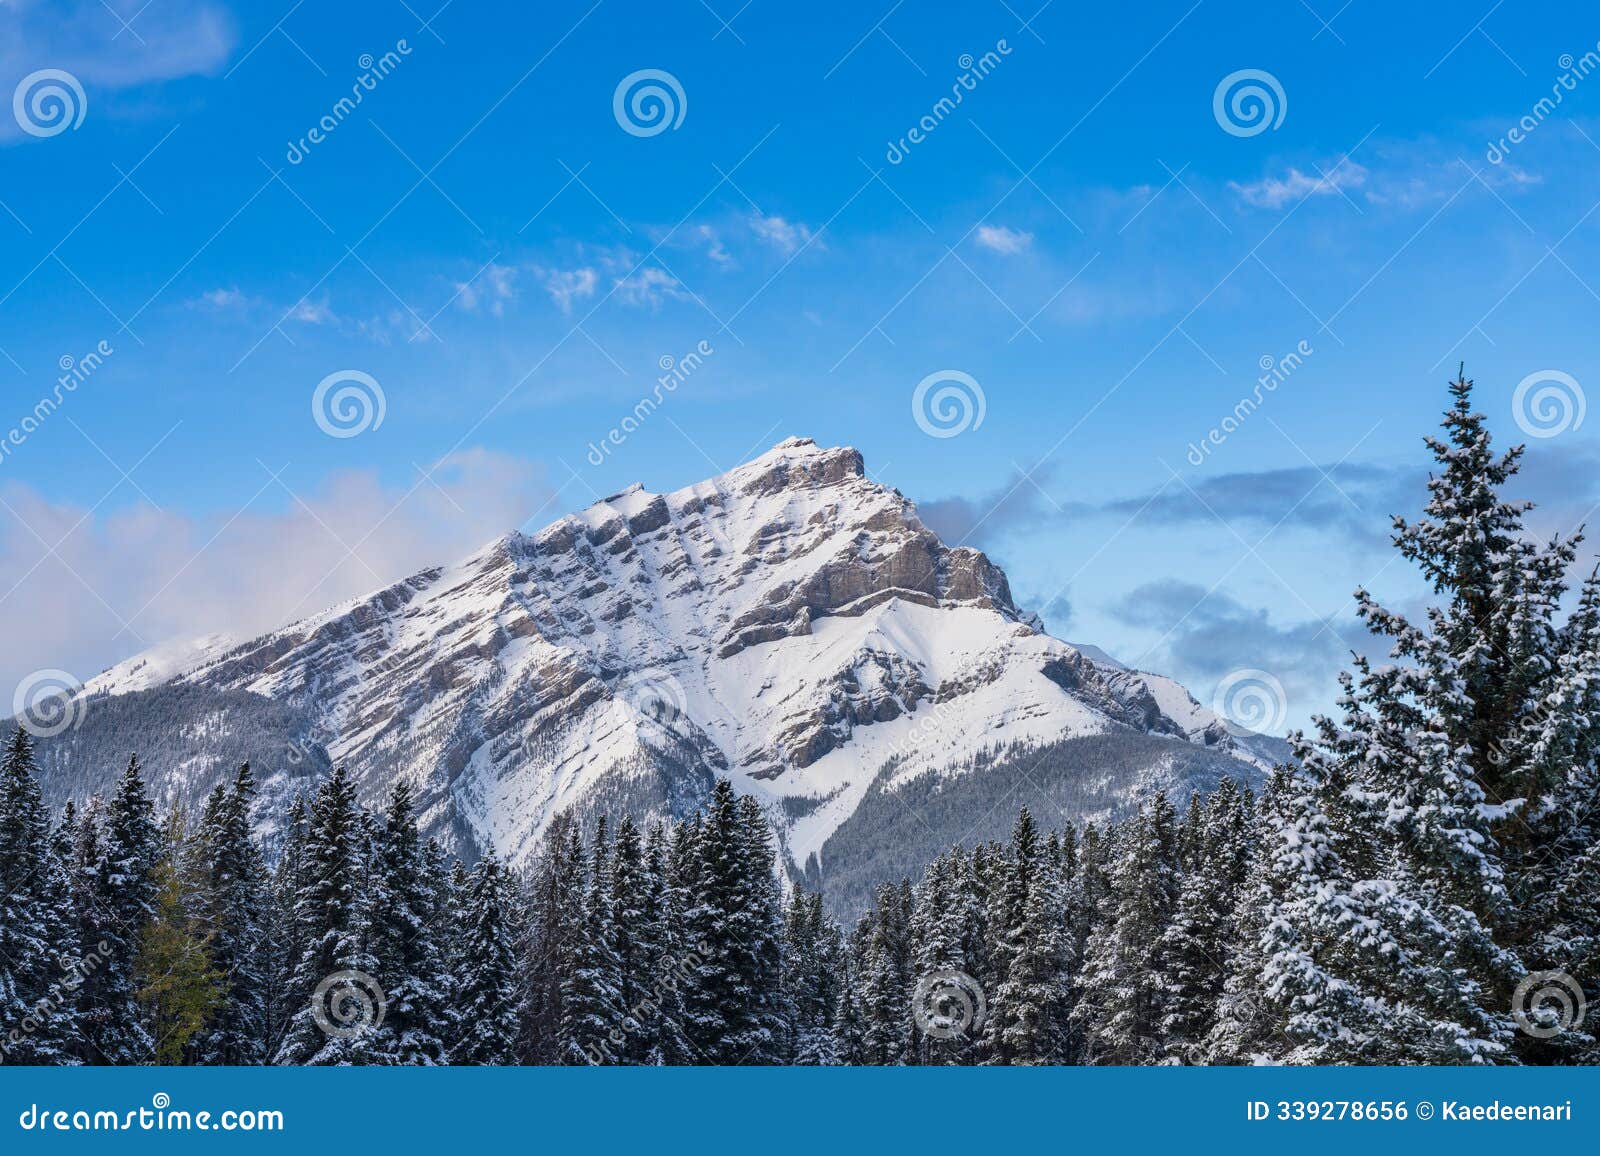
{"x":790,"y":625}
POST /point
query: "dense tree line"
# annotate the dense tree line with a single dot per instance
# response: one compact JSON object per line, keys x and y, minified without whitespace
{"x":1421,"y":885}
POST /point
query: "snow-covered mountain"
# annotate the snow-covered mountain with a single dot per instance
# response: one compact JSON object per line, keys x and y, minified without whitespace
{"x":791,"y":625}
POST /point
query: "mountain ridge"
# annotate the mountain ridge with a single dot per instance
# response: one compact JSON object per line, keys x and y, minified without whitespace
{"x":790,"y":624}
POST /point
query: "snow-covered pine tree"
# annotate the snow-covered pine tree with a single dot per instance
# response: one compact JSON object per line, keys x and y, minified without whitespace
{"x":1430,"y":779}
{"x":849,"y":1030}
{"x":553,"y":923}
{"x":488,"y":994}
{"x":724,"y":1014}
{"x":1126,"y":980}
{"x":1027,"y":1005}
{"x":403,"y":941}
{"x":631,"y":944}
{"x":1087,"y":904}
{"x":75,"y":957}
{"x":939,"y":927}
{"x":231,"y":904}
{"x":1201,"y":935}
{"x":664,"y":951}
{"x":38,"y":944}
{"x":1555,"y":882}
{"x":281,"y":932}
{"x":133,"y":847}
{"x":590,"y":1000}
{"x":763,"y":906}
{"x":1284,"y":1000}
{"x":811,"y":950}
{"x":884,"y":992}
{"x":328,"y":919}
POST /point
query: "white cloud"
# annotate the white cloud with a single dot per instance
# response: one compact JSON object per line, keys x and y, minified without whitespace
{"x":1275,"y":192}
{"x":312,"y":312}
{"x":490,"y":289}
{"x":171,"y":39}
{"x":228,"y":300}
{"x":171,"y":576}
{"x":785,"y":236}
{"x":712,"y":241}
{"x":568,"y":285}
{"x":648,"y":285}
{"x":1003,"y":240}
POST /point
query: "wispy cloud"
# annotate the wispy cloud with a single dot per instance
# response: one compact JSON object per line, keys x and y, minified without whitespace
{"x":783,"y":235}
{"x":232,"y":300}
{"x":179,"y":576}
{"x":1206,"y":634}
{"x":711,"y":241}
{"x":568,"y":285}
{"x":1275,"y":192}
{"x":1001,"y":239}
{"x":163,"y":41}
{"x":491,"y":289}
{"x":649,"y":286}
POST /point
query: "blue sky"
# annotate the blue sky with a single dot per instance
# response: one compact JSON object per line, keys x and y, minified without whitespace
{"x":1081,"y":236}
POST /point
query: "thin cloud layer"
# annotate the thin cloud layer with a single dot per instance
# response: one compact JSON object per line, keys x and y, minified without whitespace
{"x":81,"y":589}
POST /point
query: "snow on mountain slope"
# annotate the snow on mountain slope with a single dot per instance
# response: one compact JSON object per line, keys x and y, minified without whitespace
{"x":790,"y":624}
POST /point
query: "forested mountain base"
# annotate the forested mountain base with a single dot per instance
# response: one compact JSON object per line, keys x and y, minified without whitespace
{"x":1421,"y":885}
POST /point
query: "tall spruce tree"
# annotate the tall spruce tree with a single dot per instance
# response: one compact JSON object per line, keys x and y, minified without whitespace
{"x":231,"y":904}
{"x":726,"y":1018}
{"x":1126,"y":979}
{"x":592,"y":1013}
{"x":487,"y":991}
{"x":38,"y":943}
{"x":329,"y":922}
{"x":404,"y":942}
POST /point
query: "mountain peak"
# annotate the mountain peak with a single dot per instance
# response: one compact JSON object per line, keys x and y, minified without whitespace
{"x":789,"y":624}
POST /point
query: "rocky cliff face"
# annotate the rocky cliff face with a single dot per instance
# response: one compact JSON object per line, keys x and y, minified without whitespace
{"x":791,"y":625}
